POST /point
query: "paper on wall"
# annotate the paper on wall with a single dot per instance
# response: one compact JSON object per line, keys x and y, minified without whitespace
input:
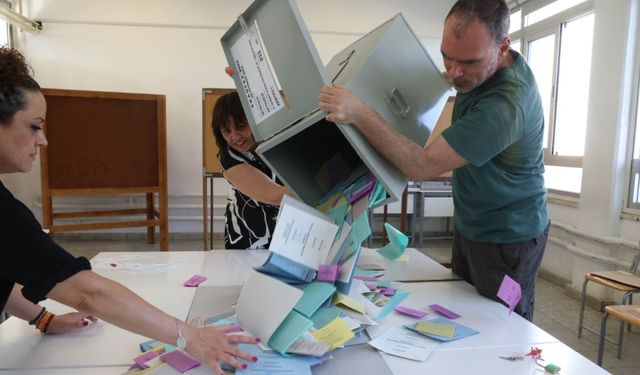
{"x":255,"y":75}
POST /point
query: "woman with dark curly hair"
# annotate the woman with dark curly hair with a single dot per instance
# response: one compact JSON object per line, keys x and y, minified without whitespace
{"x":252,"y":204}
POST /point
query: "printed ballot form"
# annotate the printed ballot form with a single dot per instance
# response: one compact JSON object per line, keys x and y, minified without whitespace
{"x":303,"y":234}
{"x":403,"y":343}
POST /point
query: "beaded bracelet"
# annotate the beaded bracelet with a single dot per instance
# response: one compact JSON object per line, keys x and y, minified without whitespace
{"x":46,"y":326}
{"x":38,"y":317}
{"x":43,"y":324}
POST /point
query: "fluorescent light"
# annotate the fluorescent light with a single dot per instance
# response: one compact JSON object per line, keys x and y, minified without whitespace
{"x":19,"y":20}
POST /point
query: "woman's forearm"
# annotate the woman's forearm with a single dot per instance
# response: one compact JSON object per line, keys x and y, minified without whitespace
{"x":93,"y":294}
{"x":21,"y":307}
{"x":253,"y":183}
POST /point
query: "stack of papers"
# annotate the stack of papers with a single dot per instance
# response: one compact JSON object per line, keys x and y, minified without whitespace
{"x":304,"y":301}
{"x":323,"y":243}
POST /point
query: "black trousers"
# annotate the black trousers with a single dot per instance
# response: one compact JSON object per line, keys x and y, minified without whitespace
{"x":485,"y":264}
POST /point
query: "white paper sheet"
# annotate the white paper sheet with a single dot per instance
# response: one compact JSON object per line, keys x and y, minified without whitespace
{"x":302,"y":233}
{"x":347,"y":269}
{"x":337,"y":244}
{"x":401,"y":342}
{"x":264,"y":303}
{"x":357,"y":287}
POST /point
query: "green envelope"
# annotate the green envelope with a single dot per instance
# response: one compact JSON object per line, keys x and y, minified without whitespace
{"x":324,"y":316}
{"x":392,"y":304}
{"x":377,"y":195}
{"x":338,"y":214}
{"x":398,"y":242}
{"x":360,"y":228}
{"x":315,"y":294}
{"x":291,"y":329}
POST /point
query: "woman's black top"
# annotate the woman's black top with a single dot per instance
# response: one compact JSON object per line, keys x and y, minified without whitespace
{"x":249,"y":224}
{"x":29,"y":256}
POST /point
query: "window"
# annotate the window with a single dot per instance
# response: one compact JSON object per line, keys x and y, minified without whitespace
{"x":546,"y":11}
{"x":633,"y":197}
{"x":5,"y":27}
{"x":556,"y":38}
{"x":634,"y":180}
{"x":634,"y":186}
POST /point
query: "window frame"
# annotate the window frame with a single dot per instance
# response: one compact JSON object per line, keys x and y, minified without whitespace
{"x":549,"y":158}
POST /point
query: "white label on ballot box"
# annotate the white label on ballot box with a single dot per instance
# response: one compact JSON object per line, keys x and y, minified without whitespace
{"x":303,"y":234}
{"x":255,"y":74}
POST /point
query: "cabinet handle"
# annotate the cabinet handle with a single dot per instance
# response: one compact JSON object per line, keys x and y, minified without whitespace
{"x":397,"y":104}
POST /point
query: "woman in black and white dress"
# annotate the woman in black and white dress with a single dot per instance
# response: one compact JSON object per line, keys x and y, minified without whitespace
{"x":252,"y":204}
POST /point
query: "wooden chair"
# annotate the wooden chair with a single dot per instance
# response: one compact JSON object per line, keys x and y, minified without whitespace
{"x":626,"y":282}
{"x":629,"y":314}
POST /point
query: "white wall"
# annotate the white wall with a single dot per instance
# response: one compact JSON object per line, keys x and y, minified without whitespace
{"x":172,"y":48}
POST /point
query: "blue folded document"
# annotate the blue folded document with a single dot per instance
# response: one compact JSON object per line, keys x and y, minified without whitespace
{"x":460,"y":332}
{"x":287,"y":270}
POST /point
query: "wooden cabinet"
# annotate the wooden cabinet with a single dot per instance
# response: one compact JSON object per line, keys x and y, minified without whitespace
{"x":104,"y":143}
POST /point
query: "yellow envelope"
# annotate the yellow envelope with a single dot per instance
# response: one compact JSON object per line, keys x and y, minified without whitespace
{"x":334,"y":334}
{"x":341,"y":299}
{"x":444,"y":330}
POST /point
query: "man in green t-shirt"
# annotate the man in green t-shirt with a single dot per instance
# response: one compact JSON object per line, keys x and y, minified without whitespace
{"x":494,"y":147}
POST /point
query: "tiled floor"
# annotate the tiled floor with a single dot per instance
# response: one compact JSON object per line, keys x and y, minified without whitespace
{"x":556,"y":312}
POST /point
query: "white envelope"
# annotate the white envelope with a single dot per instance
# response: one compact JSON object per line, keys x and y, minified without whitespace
{"x":264,"y":304}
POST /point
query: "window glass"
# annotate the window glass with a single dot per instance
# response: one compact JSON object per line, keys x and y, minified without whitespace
{"x":4,"y":33}
{"x":550,"y":10}
{"x":5,"y":28}
{"x":565,"y":179}
{"x":573,"y":87}
{"x":515,"y":23}
{"x":636,"y":147}
{"x":516,"y":45}
{"x":634,"y":181}
{"x":540,"y":57}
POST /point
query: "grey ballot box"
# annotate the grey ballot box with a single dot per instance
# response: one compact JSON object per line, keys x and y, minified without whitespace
{"x":388,"y":68}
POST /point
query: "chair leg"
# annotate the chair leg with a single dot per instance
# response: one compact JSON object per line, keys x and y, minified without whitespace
{"x":620,"y":338}
{"x":582,"y":303}
{"x":626,"y":299}
{"x":603,"y":330}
